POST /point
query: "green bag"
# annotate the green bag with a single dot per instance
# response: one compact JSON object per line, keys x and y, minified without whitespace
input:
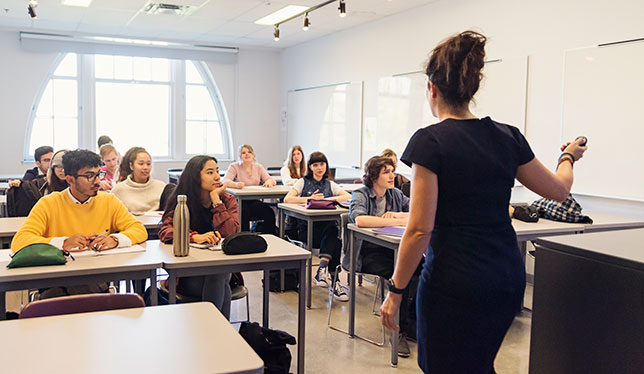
{"x":39,"y":254}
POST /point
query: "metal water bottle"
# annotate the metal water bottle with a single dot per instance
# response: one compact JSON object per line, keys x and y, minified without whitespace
{"x":181,"y":235}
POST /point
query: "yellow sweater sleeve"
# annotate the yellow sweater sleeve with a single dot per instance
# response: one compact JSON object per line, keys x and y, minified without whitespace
{"x":33,"y":229}
{"x":125,"y":223}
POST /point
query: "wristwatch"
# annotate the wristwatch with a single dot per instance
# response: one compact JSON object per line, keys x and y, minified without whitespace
{"x":392,"y":288}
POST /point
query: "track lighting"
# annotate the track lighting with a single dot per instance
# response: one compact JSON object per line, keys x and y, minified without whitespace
{"x":276,"y":33}
{"x":343,"y":9}
{"x":307,"y":23}
{"x":31,"y":8}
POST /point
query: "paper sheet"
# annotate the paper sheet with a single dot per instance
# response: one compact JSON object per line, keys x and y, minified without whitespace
{"x":115,"y":251}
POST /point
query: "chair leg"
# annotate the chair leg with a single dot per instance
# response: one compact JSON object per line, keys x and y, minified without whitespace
{"x":247,"y":308}
{"x":335,"y":278}
{"x":376,"y":295}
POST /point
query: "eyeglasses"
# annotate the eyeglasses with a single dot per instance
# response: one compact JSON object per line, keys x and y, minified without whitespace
{"x":91,"y":177}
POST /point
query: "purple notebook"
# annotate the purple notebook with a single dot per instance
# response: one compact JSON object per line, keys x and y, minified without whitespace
{"x":391,"y":230}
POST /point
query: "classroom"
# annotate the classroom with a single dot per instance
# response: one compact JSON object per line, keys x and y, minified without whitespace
{"x":189,"y":77}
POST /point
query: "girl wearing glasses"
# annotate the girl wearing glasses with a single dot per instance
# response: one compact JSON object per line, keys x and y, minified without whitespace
{"x":137,"y":190}
{"x":213,"y":216}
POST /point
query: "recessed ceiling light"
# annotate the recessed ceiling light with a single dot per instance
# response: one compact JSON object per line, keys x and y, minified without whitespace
{"x":282,"y":14}
{"x":84,"y":3}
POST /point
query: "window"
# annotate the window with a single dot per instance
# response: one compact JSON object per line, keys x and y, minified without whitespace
{"x":137,"y":101}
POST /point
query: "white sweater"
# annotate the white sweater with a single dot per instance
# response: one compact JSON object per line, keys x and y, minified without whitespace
{"x":139,"y":198}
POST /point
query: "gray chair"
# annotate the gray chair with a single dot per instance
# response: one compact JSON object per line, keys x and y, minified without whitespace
{"x":380,"y":284}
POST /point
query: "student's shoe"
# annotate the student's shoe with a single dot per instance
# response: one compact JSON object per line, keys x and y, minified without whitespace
{"x":403,"y":345}
{"x":340,"y":292}
{"x":321,"y":278}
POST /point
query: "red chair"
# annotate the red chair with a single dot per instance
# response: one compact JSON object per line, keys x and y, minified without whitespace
{"x":81,"y":304}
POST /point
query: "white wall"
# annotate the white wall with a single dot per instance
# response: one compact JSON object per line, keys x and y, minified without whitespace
{"x":249,"y":90}
{"x":541,"y":30}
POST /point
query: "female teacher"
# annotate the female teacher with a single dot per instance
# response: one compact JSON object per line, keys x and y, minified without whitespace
{"x":463,"y":170}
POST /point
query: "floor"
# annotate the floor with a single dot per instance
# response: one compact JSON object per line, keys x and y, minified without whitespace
{"x":327,"y":349}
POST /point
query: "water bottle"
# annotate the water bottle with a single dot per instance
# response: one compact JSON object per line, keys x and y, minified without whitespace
{"x":181,"y":235}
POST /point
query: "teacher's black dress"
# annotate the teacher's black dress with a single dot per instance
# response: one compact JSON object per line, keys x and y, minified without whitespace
{"x":477,"y":274}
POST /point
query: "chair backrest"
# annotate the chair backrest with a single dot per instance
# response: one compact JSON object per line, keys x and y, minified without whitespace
{"x":406,"y":188}
{"x":81,"y":304}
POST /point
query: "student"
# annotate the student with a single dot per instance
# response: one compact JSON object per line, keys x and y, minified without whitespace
{"x":294,"y":167}
{"x":138,"y":191}
{"x":400,"y":179}
{"x":379,"y":204}
{"x":110,"y":169}
{"x":104,"y":139}
{"x":213,"y":216}
{"x":315,"y":185}
{"x":73,"y":219}
{"x":42,"y":155}
{"x":250,"y":173}
{"x":463,"y":171}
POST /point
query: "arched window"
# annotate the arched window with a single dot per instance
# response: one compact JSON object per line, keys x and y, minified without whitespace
{"x":137,"y":101}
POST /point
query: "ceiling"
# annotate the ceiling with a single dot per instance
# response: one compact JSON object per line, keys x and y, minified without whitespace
{"x":220,"y":22}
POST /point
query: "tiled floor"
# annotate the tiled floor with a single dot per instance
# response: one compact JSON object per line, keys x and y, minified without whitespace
{"x":328,"y":350}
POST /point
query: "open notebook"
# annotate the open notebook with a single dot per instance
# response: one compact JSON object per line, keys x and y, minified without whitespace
{"x":115,"y":251}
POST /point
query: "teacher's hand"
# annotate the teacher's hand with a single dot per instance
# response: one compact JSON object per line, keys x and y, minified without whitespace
{"x":388,"y":310}
{"x":575,"y":149}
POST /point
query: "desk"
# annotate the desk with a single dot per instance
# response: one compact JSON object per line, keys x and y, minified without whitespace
{"x":611,"y":222}
{"x":4,"y":186}
{"x":257,"y":193}
{"x":84,"y":270}
{"x":310,"y":216}
{"x":280,"y":254}
{"x":9,"y":177}
{"x":588,"y":305}
{"x":186,"y":338}
{"x":10,"y":225}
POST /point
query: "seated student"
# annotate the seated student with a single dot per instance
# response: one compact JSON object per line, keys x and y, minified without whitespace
{"x":42,"y":155}
{"x":379,"y":204}
{"x":73,"y":219}
{"x":110,"y":169}
{"x":137,"y":190}
{"x":400,"y":179}
{"x":315,"y":185}
{"x":294,"y":167}
{"x":104,"y":139}
{"x":213,"y":216}
{"x":247,"y":172}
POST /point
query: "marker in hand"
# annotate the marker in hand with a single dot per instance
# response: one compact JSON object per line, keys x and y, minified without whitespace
{"x":92,"y":246}
{"x":584,"y":140}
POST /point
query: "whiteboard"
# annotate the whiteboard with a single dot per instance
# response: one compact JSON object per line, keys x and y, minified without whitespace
{"x":402,"y":106}
{"x":327,"y":119}
{"x":603,"y":98}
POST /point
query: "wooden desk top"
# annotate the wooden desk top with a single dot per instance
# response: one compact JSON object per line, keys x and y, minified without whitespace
{"x":183,"y":338}
{"x":297,"y":208}
{"x":278,"y":250}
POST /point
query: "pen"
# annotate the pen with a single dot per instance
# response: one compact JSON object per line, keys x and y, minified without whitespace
{"x":98,"y":236}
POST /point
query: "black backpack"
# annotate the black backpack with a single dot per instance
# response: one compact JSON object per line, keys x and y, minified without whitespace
{"x":21,"y":199}
{"x":270,"y":346}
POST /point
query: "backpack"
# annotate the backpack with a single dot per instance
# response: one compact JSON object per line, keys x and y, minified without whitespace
{"x":21,"y":199}
{"x":270,"y":346}
{"x":291,"y":280}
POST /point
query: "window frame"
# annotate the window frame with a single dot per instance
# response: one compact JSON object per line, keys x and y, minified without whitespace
{"x":86,"y":115}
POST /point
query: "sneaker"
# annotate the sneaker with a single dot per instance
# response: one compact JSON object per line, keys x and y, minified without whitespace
{"x":340,"y":292}
{"x":321,"y":278}
{"x":403,"y":345}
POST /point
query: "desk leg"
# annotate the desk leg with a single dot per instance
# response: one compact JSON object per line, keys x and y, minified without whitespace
{"x":309,"y":273}
{"x":301,"y":321}
{"x":282,"y":226}
{"x":265,"y":297}
{"x":3,"y":306}
{"x":352,"y":285}
{"x":523,"y":248}
{"x":394,"y":334}
{"x":153,"y":287}
{"x":239,"y":209}
{"x":172,"y":287}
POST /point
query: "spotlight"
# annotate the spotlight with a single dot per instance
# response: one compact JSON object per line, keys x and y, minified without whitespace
{"x":31,"y":8}
{"x":343,"y":9}
{"x":307,"y":23}
{"x":276,"y":33}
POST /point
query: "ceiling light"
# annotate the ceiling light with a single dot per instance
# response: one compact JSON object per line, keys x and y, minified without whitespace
{"x":83,"y":3}
{"x":307,"y":23}
{"x":282,"y":14}
{"x":343,"y":9}
{"x":276,"y":33}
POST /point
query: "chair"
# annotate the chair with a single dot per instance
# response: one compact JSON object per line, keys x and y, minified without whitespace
{"x":81,"y":304}
{"x":380,"y":284}
{"x":406,"y":188}
{"x":237,"y":293}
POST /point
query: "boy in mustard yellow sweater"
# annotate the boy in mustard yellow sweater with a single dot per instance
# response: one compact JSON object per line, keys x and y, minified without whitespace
{"x":73,"y":219}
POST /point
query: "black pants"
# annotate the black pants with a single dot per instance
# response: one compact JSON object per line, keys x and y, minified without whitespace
{"x":380,"y":261}
{"x":255,"y":210}
{"x":325,"y":237}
